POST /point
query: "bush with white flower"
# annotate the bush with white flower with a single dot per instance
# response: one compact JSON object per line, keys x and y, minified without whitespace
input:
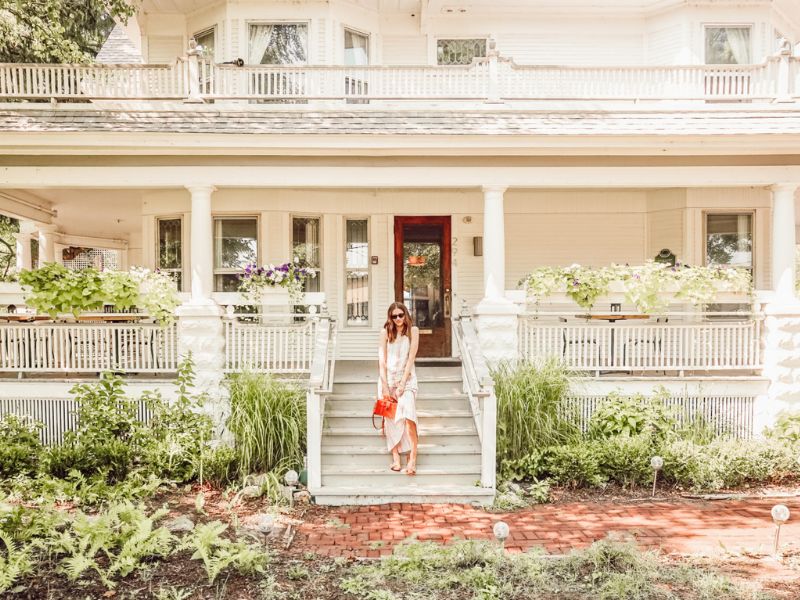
{"x":291,"y":275}
{"x":645,"y":286}
{"x":158,"y":294}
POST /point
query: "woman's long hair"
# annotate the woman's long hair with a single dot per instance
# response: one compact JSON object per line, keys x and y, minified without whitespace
{"x":391,"y":328}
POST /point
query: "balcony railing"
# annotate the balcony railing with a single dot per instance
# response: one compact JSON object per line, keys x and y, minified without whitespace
{"x":491,"y":79}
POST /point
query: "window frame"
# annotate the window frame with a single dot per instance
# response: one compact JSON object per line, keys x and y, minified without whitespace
{"x":319,"y":269}
{"x":436,"y":40}
{"x":715,"y":25}
{"x":157,"y":262}
{"x":232,"y":216}
{"x":732,"y":212}
{"x":307,"y":22}
{"x":366,"y":34}
{"x":346,"y":269}
{"x":205,"y":31}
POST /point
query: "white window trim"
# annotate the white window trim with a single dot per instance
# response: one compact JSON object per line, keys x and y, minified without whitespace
{"x":434,"y":44}
{"x":357,"y":31}
{"x":345,"y":269}
{"x":306,"y":22}
{"x":205,"y":31}
{"x":732,"y":211}
{"x":320,"y":268}
{"x":225,"y":271}
{"x":714,"y":25}
{"x":156,"y":262}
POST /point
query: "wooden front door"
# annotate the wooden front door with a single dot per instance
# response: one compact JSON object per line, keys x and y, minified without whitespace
{"x":422,"y":279}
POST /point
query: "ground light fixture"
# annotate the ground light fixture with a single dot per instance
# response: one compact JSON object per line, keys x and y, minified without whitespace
{"x":780,"y":514}
{"x":501,"y":532}
{"x":291,"y":478}
{"x":656,"y":463}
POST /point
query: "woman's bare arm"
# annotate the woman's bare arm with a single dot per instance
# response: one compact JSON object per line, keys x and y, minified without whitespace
{"x":382,"y":362}
{"x":412,"y":355}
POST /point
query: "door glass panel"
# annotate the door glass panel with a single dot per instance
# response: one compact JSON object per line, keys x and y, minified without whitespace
{"x":422,"y":282}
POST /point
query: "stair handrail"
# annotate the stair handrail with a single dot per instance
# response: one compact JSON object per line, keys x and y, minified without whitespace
{"x":479,"y":387}
{"x":320,"y":384}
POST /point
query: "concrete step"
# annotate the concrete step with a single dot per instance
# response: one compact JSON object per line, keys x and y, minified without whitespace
{"x":436,"y":494}
{"x":343,"y":413}
{"x":385,"y":478}
{"x":428,"y":388}
{"x":426,"y":420}
{"x":371,"y":438}
{"x":364,"y":407}
{"x":429,"y":456}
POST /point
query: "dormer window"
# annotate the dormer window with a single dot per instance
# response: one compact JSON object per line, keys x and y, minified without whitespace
{"x":278,"y":44}
{"x":728,"y":46}
{"x":459,"y":51}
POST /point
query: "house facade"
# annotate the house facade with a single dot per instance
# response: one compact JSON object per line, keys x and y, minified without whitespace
{"x":429,"y":152}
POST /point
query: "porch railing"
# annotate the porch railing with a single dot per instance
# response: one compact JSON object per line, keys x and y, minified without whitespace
{"x":285,"y":346}
{"x":87,"y":347}
{"x":708,"y":342}
{"x":491,"y":79}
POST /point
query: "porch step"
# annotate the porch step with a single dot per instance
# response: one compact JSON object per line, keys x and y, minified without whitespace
{"x":440,"y":494}
{"x":427,"y":421}
{"x":430,"y":456}
{"x":384,"y":478}
{"x":346,"y":413}
{"x":369,"y":388}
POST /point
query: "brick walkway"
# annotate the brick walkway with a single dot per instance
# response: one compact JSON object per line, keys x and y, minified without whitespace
{"x":686,"y":527}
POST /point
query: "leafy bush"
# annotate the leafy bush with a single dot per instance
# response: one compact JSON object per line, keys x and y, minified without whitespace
{"x":529,"y":467}
{"x":220,"y":466}
{"x":219,"y":553}
{"x":787,"y":427}
{"x":575,"y":465}
{"x":530,"y":407}
{"x":626,"y":459}
{"x":632,"y":415}
{"x":20,"y":447}
{"x":268,"y":421}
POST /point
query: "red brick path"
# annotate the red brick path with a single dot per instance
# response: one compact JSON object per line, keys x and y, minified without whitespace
{"x":685,"y":527}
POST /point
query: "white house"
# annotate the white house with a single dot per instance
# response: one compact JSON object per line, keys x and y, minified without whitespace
{"x":380,"y":136}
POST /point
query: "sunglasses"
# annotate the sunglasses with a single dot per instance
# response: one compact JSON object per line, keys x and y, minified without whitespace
{"x":398,"y":315}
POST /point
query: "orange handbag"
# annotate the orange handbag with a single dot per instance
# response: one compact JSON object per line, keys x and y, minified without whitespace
{"x":386,"y":408}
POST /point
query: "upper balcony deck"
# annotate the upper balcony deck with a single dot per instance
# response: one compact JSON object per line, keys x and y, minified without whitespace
{"x":490,"y":79}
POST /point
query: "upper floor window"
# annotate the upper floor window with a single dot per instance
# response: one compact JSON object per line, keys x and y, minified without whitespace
{"x":207,"y":40}
{"x":728,"y":46}
{"x":278,"y":44}
{"x":459,"y":51}
{"x":356,"y":48}
{"x":235,"y":246}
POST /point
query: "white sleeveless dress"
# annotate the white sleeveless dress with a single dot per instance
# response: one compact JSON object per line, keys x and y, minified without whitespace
{"x":395,"y":430}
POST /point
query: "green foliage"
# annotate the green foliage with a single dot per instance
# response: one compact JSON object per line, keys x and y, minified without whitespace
{"x":626,"y":459}
{"x":268,"y":421}
{"x":15,"y":562}
{"x":220,"y":466}
{"x":632,"y":415}
{"x":530,"y":407}
{"x":787,"y":427}
{"x":575,"y":465}
{"x":219,"y":553}
{"x":20,"y":447}
{"x":52,"y":31}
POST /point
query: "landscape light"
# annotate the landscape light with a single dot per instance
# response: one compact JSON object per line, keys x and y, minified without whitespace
{"x":656,"y":463}
{"x":501,"y":532}
{"x":291,"y":478}
{"x":780,"y":514}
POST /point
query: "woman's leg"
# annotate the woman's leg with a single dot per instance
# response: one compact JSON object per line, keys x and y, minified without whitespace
{"x":396,"y":458}
{"x":411,"y":428}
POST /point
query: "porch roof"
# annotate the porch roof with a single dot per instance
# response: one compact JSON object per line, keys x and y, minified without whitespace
{"x":494,"y":121}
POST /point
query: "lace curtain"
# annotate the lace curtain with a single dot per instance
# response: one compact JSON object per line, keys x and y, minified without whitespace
{"x":278,"y":44}
{"x":355,"y":48}
{"x":728,"y":45}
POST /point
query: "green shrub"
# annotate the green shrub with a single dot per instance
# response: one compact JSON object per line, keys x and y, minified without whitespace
{"x":787,"y":427}
{"x":220,"y":466}
{"x":626,"y":459}
{"x":20,"y":447}
{"x":530,"y":411}
{"x":632,"y":415}
{"x":268,"y":421}
{"x":575,"y":465}
{"x":527,"y":468}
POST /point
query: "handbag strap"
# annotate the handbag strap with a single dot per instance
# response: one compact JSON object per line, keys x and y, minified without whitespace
{"x":373,"y":422}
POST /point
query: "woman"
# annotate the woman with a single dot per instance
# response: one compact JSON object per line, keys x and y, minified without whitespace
{"x":398,"y":349}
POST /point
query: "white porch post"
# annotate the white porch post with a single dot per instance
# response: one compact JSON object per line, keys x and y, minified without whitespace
{"x":47,"y":244}
{"x":24,"y":258}
{"x":496,"y":315}
{"x":782,"y":322}
{"x":200,"y":326}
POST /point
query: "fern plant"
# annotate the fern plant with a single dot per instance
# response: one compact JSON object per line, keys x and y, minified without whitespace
{"x":219,"y":553}
{"x":15,"y":561}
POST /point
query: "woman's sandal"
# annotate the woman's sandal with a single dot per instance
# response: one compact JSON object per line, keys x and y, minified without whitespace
{"x":395,"y":468}
{"x":410,"y":470}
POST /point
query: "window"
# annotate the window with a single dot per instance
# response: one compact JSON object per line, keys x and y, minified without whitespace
{"x":459,"y":52}
{"x":235,"y":246}
{"x":207,"y":39}
{"x":170,"y":249}
{"x":278,"y":44}
{"x":356,"y":265}
{"x":356,"y":48}
{"x":306,"y":248}
{"x":729,"y":240}
{"x":728,"y":46}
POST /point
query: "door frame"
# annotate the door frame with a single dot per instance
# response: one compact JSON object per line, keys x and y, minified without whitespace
{"x":447,"y":266}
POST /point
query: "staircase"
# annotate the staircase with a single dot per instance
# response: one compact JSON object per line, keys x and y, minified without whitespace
{"x":355,"y":461}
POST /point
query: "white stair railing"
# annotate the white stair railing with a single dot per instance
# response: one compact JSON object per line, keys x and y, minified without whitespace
{"x":319,"y":386}
{"x":479,"y":387}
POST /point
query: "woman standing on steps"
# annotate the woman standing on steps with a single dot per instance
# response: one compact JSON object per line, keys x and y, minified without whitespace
{"x":398,"y":349}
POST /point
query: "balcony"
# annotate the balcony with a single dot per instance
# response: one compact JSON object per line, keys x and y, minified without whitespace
{"x":492,"y":79}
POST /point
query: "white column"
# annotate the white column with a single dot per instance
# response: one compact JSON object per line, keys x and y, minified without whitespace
{"x":496,"y":316}
{"x":202,"y":244}
{"x":47,"y":244}
{"x":24,"y":259}
{"x":494,"y":243}
{"x":783,"y":241}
